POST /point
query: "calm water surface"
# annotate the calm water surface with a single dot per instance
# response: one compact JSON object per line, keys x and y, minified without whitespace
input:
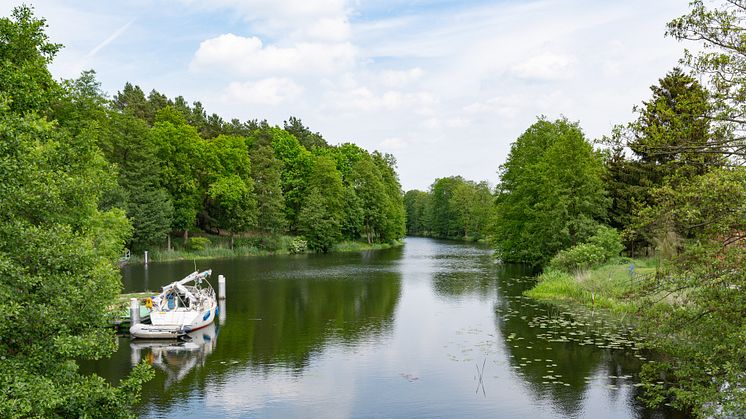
{"x":432,"y":329}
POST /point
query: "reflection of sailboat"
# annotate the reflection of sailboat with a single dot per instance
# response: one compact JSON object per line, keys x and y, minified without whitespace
{"x":176,"y":357}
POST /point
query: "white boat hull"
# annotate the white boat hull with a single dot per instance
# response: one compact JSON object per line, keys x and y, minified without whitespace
{"x":196,"y":308}
{"x":149,"y":331}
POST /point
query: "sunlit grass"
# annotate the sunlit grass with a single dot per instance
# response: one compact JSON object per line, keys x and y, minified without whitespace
{"x":611,"y":286}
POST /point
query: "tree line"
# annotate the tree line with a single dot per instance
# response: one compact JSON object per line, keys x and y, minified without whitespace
{"x":181,"y":170}
{"x":81,"y":176}
{"x":453,"y":208}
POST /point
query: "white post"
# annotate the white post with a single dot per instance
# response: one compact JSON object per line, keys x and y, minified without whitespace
{"x":134,"y":355}
{"x":221,"y":305}
{"x":134,"y":312}
{"x":146,"y":257}
{"x":221,"y":286}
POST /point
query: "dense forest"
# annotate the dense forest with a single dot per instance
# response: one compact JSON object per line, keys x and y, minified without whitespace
{"x":181,"y":170}
{"x":82,"y":176}
{"x":668,"y":187}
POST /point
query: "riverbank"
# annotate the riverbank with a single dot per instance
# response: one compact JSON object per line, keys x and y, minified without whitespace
{"x":159,"y":255}
{"x":611,"y":286}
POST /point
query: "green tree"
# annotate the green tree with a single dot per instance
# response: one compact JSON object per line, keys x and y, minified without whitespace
{"x":231,"y":202}
{"x":370,"y":190}
{"x":127,"y":143}
{"x":443,"y":219}
{"x":551,"y":195}
{"x":25,"y":52}
{"x":664,"y":140}
{"x":321,"y":215}
{"x":132,"y":100}
{"x":394,"y":216}
{"x":267,"y":175}
{"x":701,"y":329}
{"x":720,"y":56}
{"x":416,"y":204}
{"x":309,"y":139}
{"x":57,"y":248}
{"x":180,"y":150}
{"x":472,"y":204}
{"x":296,"y":167}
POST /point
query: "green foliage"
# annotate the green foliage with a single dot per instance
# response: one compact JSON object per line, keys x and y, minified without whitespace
{"x":551,"y":194}
{"x":601,"y":247}
{"x":416,"y":204}
{"x":266,"y":173}
{"x":296,"y":167}
{"x":199,"y":243}
{"x":442,"y":217}
{"x":180,"y":150}
{"x":670,"y":129}
{"x":297,"y":245}
{"x":310,"y":140}
{"x":579,"y":257}
{"x":25,"y":51}
{"x":702,"y":328}
{"x":321,"y":215}
{"x":719,"y":56}
{"x":57,"y":247}
{"x":609,"y":240}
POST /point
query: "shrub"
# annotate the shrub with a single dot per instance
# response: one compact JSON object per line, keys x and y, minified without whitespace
{"x":297,"y":245}
{"x":608,"y":239}
{"x":199,"y":243}
{"x":582,"y":256}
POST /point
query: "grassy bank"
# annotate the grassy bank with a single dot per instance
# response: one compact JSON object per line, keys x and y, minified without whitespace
{"x":611,"y":286}
{"x":221,"y":249}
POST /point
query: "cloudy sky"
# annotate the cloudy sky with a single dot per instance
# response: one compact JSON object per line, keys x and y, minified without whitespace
{"x":444,"y":85}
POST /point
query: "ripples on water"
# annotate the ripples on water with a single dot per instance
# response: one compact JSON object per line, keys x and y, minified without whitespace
{"x":433,"y":329}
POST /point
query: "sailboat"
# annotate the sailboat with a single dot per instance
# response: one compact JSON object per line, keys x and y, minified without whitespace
{"x":182,"y":307}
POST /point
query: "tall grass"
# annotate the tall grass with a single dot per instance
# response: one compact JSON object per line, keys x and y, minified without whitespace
{"x":611,"y":286}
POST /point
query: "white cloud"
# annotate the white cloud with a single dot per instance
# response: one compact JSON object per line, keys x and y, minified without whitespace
{"x":248,"y":56}
{"x":271,"y":91}
{"x":335,"y":29}
{"x":546,"y":66}
{"x":362,"y":98}
{"x":401,"y":78}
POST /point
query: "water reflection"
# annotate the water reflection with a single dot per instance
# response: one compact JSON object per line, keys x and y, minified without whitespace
{"x":433,"y":329}
{"x":282,"y":322}
{"x":176,"y":358}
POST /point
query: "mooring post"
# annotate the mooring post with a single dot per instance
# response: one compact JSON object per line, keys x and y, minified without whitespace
{"x":146,"y":257}
{"x":134,"y":312}
{"x":221,"y":306}
{"x":221,"y":286}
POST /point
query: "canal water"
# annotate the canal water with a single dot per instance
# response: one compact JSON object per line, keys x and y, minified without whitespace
{"x":430,"y":329}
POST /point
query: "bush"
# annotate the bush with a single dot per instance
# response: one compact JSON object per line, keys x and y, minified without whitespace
{"x":199,"y":243}
{"x":608,"y":239}
{"x":297,"y":245}
{"x":582,"y":256}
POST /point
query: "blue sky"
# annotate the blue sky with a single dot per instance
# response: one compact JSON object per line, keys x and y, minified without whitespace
{"x":445,"y":86}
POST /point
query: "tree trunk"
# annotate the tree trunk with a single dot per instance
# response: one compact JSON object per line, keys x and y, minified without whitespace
{"x":168,"y":241}
{"x":231,"y":240}
{"x":186,"y":236}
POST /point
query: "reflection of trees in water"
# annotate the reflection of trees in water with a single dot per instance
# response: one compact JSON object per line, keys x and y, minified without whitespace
{"x":555,"y":353}
{"x":283,"y":322}
{"x":471,"y":272}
